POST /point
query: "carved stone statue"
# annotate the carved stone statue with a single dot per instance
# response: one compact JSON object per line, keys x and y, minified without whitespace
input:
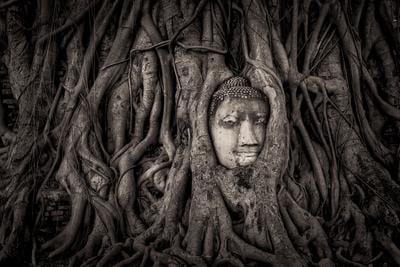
{"x":238,"y":117}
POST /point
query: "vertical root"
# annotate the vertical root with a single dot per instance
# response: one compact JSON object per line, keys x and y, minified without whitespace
{"x":66,"y":238}
{"x":167,"y":83}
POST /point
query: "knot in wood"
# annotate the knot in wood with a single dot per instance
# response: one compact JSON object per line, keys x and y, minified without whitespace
{"x":294,"y":78}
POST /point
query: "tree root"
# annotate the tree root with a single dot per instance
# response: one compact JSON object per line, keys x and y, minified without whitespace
{"x":167,"y":83}
{"x":14,"y":241}
{"x":64,"y":240}
{"x":88,"y":252}
{"x":310,"y":229}
{"x":71,"y":22}
{"x":388,"y":245}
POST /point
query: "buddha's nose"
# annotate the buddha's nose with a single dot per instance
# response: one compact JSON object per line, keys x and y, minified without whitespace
{"x":247,"y":136}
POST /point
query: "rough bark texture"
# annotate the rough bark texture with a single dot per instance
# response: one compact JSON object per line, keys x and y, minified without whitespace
{"x":112,"y":100}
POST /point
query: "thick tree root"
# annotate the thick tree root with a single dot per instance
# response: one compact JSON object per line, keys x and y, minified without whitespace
{"x":14,"y":243}
{"x":64,"y":240}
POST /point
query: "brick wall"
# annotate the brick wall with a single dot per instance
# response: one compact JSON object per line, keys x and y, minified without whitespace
{"x":8,"y":101}
{"x":56,"y":214}
{"x":57,"y":210}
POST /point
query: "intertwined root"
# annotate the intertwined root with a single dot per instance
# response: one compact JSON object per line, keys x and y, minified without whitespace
{"x":342,"y":179}
{"x":64,"y":241}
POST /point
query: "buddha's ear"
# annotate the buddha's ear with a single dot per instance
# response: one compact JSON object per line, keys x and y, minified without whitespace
{"x":275,"y":151}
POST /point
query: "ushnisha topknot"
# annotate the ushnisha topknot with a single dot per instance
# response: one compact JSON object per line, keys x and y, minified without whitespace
{"x":235,"y":87}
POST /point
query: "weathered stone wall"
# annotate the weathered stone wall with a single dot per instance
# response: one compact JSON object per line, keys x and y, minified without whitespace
{"x":57,"y":210}
{"x":8,"y":101}
{"x":56,"y":214}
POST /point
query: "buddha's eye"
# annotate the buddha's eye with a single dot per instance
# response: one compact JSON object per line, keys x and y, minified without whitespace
{"x":229,"y":122}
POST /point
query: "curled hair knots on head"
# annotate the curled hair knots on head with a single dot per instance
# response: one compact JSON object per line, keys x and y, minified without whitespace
{"x":235,"y":87}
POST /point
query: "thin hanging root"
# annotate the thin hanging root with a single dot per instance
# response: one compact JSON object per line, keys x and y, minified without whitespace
{"x":312,"y":44}
{"x":102,"y":20}
{"x":72,"y":21}
{"x":66,"y":238}
{"x":280,"y":52}
{"x":167,"y":83}
{"x":129,"y":155}
{"x":294,"y":82}
{"x":316,"y":165}
{"x":386,"y":107}
{"x":351,"y":47}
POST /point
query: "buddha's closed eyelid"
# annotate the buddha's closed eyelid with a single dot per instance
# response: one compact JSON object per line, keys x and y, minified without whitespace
{"x":229,"y":121}
{"x":230,"y":118}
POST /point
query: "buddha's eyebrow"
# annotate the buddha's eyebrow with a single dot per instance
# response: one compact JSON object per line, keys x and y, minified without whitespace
{"x":261,"y":114}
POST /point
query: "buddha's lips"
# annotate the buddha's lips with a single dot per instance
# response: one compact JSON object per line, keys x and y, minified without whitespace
{"x":248,"y":151}
{"x":247,"y":154}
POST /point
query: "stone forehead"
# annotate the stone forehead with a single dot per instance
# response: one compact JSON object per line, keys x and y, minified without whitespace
{"x":235,"y":87}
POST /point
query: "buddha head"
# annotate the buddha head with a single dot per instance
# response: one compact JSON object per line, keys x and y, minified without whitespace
{"x":238,"y":116}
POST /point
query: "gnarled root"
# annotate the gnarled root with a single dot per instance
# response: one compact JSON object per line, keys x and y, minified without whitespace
{"x":308,"y":230}
{"x":387,"y":243}
{"x":80,"y":213}
{"x":13,"y":243}
{"x":65,"y":240}
{"x":93,"y":245}
{"x":210,"y":226}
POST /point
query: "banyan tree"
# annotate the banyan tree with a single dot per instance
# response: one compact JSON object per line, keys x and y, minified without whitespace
{"x":201,"y":133}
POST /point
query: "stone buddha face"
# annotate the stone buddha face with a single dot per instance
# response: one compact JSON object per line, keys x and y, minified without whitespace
{"x":238,"y":118}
